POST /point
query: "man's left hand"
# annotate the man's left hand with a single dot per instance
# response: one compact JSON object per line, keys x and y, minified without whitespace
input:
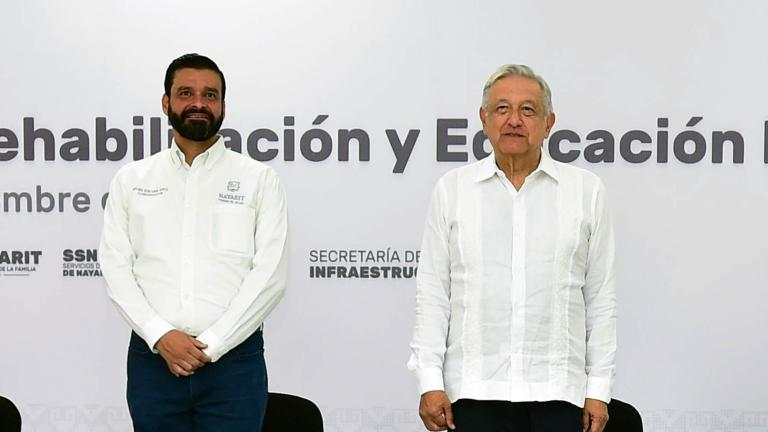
{"x":595,"y":415}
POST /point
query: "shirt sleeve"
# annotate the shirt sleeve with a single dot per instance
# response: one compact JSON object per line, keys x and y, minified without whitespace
{"x":116,"y":258}
{"x":432,"y":298}
{"x":265,"y":284}
{"x":600,"y":301}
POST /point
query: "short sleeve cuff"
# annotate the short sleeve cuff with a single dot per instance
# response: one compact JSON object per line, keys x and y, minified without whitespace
{"x":154,"y":330}
{"x":599,"y":388}
{"x":216,"y":347}
{"x":430,"y":379}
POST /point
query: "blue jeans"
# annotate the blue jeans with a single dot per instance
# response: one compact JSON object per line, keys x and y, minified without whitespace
{"x":229,"y":395}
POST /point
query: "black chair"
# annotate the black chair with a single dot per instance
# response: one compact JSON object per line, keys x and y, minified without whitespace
{"x":10,"y":418}
{"x":288,"y":413}
{"x":623,"y":417}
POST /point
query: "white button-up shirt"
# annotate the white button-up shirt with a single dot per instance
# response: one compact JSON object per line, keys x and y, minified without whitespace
{"x":200,"y":248}
{"x":515,"y":296}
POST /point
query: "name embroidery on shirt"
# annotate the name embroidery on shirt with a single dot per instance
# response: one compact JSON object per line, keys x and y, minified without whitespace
{"x":150,"y":191}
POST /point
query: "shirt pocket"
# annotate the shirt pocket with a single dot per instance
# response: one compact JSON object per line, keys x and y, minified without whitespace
{"x":232,"y":230}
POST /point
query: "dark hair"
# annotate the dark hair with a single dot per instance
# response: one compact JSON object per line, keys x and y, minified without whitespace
{"x":192,"y":61}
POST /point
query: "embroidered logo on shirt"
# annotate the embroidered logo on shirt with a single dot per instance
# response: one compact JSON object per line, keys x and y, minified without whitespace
{"x":231,"y":197}
{"x":150,"y":191}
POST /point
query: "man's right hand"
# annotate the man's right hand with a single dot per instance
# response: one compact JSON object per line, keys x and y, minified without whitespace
{"x":181,"y":352}
{"x":435,"y":411}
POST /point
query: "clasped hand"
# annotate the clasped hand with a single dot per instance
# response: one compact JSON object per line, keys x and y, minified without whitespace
{"x":182,"y":353}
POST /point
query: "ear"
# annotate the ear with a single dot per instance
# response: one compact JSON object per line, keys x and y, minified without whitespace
{"x":550,"y":123}
{"x":165,"y":103}
{"x":482,"y":113}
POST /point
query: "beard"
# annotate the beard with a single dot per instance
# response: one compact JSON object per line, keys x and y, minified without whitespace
{"x":195,"y":129}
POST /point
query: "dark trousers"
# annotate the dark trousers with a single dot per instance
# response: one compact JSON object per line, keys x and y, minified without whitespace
{"x":229,"y":395}
{"x":501,"y":416}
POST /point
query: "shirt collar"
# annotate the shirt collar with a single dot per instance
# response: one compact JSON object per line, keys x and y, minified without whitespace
{"x":209,"y":157}
{"x":548,"y":167}
{"x":488,"y":167}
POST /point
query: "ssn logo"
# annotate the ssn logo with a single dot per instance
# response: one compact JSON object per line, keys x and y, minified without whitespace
{"x":81,"y":255}
{"x":80,"y":263}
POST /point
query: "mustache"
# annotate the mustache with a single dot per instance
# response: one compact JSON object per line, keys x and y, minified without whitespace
{"x":203,"y":110}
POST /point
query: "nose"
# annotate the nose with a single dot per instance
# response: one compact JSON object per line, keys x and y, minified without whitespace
{"x":197,"y":101}
{"x":514,"y":119}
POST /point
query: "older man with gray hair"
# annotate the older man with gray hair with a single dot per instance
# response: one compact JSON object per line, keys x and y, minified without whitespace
{"x":516,"y":298}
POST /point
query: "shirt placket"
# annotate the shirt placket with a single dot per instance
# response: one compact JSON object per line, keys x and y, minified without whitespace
{"x":518,"y":288}
{"x":188,"y":242}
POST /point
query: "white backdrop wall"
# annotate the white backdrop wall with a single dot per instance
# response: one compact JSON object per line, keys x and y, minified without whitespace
{"x":691,"y":231}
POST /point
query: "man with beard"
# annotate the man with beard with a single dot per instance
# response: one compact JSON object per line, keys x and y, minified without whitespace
{"x":193,"y":253}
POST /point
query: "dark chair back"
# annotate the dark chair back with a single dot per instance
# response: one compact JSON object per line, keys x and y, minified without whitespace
{"x":10,"y":418}
{"x":288,"y":413}
{"x":623,"y":417}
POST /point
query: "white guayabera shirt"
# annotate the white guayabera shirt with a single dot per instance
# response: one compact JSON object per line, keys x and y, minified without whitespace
{"x":199,"y":248}
{"x":516,"y":297}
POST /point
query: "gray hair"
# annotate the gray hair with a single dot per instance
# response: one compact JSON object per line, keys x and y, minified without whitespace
{"x":523,"y":71}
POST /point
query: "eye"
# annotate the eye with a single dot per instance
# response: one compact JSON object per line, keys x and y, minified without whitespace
{"x":502,"y":109}
{"x":184,"y":93}
{"x":528,"y":110}
{"x":212,"y":95}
